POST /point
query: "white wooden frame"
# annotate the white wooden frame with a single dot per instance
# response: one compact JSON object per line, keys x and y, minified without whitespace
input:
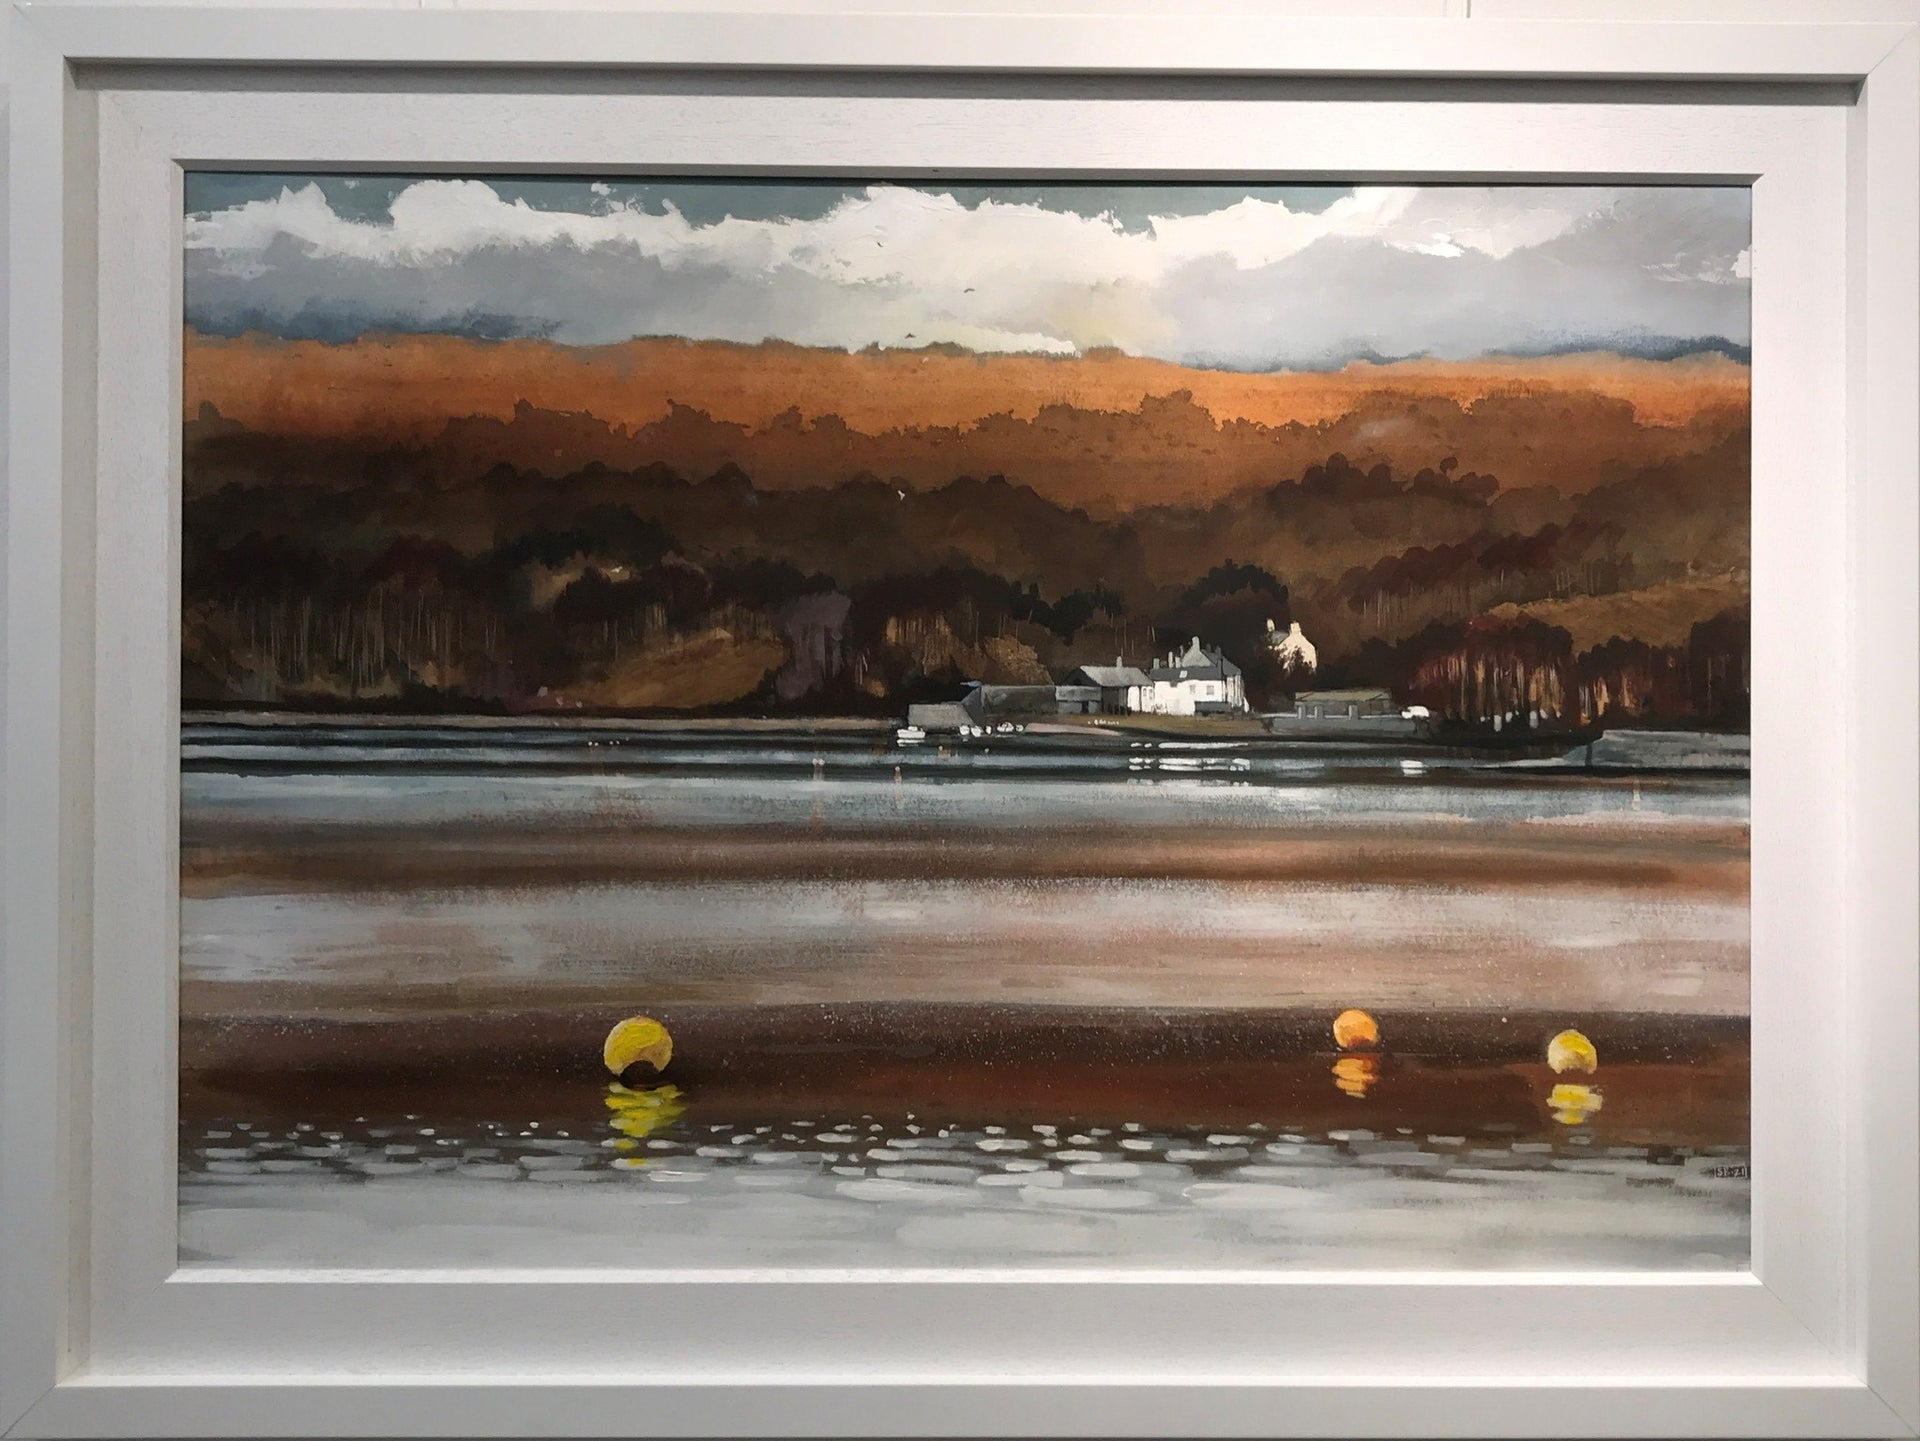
{"x":96,"y":1338}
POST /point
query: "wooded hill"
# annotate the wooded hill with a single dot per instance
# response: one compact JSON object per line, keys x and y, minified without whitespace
{"x":461,"y":574}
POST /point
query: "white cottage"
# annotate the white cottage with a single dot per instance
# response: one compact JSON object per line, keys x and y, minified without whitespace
{"x":1197,"y":682}
{"x":1294,"y":652}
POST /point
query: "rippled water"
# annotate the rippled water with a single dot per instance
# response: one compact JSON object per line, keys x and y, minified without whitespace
{"x":825,"y":1191}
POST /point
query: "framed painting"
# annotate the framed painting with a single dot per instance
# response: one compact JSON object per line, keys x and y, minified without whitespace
{"x":825,"y":718}
{"x":998,"y":736}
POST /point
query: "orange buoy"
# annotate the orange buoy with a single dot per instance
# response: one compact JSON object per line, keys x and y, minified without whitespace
{"x":1354,"y":1028}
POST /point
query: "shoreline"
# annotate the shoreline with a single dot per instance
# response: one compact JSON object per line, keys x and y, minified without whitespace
{"x":1649,"y":751}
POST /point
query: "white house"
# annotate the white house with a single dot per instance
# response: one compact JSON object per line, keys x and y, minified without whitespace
{"x":1293,"y":651}
{"x":1198,"y":682}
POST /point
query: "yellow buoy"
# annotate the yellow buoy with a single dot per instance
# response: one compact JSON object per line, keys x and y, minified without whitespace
{"x":1571,"y":1051}
{"x":1355,"y":1028}
{"x":637,"y":1039}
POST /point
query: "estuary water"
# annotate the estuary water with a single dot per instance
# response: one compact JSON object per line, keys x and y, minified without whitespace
{"x":1029,"y":1001}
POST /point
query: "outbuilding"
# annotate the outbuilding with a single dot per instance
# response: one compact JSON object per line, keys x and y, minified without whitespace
{"x":1350,"y":704}
{"x":1123,"y":688}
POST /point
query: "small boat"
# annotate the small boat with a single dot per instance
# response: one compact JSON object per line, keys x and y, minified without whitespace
{"x":908,"y":735}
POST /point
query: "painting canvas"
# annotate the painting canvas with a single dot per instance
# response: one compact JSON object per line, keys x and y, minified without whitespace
{"x":869,"y":723}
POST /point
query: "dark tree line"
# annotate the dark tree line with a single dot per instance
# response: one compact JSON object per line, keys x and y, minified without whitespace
{"x":644,"y":590}
{"x":1524,"y":673}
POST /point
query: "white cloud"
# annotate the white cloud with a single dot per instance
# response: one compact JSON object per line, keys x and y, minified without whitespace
{"x":1251,"y":283}
{"x":1441,"y":245}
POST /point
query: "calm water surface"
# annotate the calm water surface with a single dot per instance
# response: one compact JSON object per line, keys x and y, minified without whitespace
{"x":979,"y":873}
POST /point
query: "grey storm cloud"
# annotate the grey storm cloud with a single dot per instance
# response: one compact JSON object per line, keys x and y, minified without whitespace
{"x":1254,"y":278}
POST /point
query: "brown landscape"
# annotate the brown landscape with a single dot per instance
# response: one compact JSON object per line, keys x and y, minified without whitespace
{"x":400,"y":388}
{"x":677,"y":528}
{"x":797,"y":417}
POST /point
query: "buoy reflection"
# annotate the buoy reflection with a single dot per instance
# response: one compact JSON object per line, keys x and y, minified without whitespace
{"x":637,"y":1114}
{"x":1355,"y":1074}
{"x":1571,"y":1105}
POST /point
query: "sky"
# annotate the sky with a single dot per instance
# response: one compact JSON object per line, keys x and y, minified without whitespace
{"x":1231,"y":277}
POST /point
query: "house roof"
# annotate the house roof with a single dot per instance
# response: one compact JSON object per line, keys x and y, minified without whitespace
{"x":1197,"y":663}
{"x":939,"y":713}
{"x":1113,"y":676}
{"x":1016,"y":699}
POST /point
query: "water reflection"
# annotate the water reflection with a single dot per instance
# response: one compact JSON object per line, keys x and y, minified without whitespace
{"x":1571,"y":1105}
{"x":725,"y":1188}
{"x":637,"y":1114}
{"x":1356,"y":1074}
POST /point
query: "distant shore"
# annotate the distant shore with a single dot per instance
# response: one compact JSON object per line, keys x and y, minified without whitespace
{"x":1617,"y":750}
